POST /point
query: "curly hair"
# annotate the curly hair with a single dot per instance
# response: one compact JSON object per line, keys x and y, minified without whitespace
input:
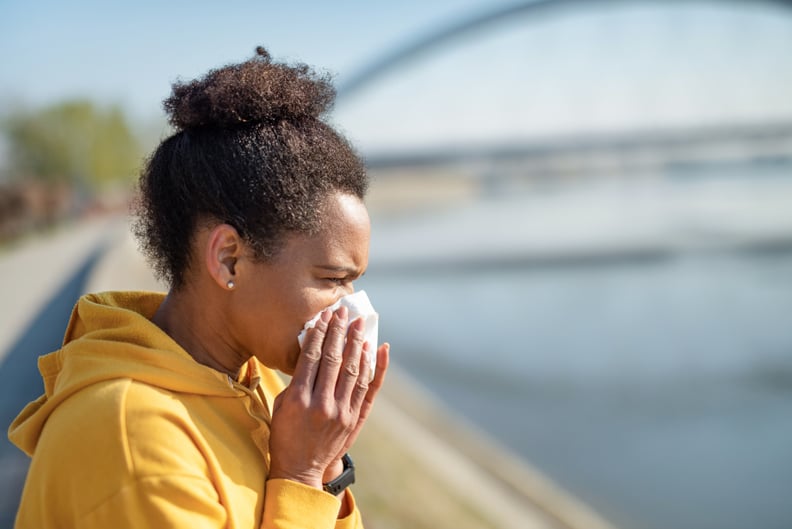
{"x":251,"y":150}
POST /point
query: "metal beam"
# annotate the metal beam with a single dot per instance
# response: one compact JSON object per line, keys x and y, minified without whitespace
{"x":412,"y":50}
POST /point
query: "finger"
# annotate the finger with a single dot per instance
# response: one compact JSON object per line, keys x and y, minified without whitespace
{"x":383,"y":357}
{"x":307,"y":366}
{"x":369,"y":393}
{"x":350,"y":376}
{"x":278,"y":401}
{"x":332,"y":354}
{"x":360,"y":387}
{"x":383,"y":360}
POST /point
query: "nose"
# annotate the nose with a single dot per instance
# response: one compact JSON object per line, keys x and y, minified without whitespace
{"x":344,"y":290}
{"x":347,"y":289}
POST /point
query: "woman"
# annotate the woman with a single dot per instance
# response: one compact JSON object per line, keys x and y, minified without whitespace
{"x":165,"y":411}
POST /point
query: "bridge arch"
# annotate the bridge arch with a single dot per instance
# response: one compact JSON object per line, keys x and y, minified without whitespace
{"x":411,"y":50}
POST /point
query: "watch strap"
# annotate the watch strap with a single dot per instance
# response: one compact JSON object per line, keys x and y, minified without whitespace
{"x":345,"y":479}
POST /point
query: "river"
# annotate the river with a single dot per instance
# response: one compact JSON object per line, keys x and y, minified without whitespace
{"x":657,"y":389}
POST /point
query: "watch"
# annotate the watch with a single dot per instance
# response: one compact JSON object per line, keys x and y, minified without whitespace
{"x":345,"y":479}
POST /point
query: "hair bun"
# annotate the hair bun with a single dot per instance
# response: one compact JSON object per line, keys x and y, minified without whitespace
{"x":257,"y":90}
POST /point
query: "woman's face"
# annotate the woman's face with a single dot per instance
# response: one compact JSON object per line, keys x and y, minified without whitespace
{"x":276,"y":298}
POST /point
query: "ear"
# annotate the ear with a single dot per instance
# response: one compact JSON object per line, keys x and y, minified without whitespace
{"x":223,"y":249}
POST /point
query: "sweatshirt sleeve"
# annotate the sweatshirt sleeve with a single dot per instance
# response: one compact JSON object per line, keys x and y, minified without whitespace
{"x":182,"y":501}
{"x":292,"y":505}
{"x":354,"y":520}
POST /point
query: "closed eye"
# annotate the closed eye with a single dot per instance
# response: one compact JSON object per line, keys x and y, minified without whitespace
{"x":350,"y":274}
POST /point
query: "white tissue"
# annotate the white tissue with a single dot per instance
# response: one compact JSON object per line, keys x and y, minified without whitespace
{"x":359,"y":306}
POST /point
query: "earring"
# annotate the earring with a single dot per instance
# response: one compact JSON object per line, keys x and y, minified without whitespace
{"x":230,"y":284}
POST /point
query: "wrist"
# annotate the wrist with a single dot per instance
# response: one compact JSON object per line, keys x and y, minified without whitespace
{"x":312,"y":479}
{"x":338,"y":485}
{"x":333,"y":470}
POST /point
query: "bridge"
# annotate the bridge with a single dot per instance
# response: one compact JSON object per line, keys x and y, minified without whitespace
{"x":648,"y":151}
{"x":411,"y":50}
{"x":642,"y":151}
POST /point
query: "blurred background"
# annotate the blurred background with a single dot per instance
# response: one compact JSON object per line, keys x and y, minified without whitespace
{"x":582,"y":212}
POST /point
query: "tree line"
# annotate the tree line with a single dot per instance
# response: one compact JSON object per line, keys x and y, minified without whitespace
{"x":59,"y":159}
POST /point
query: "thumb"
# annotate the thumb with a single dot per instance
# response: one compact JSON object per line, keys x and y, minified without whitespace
{"x":278,"y":401}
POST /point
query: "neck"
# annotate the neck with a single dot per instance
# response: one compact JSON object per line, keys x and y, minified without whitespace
{"x":191,"y":323}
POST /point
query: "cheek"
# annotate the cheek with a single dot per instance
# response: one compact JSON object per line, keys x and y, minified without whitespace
{"x":280,"y":322}
{"x":311,"y":302}
{"x":304,"y":307}
{"x":316,"y":300}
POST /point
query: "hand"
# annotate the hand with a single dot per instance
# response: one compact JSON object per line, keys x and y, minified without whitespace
{"x":318,"y":416}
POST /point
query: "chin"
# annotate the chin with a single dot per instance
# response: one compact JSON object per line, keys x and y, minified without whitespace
{"x":291,"y":361}
{"x":286,"y":364}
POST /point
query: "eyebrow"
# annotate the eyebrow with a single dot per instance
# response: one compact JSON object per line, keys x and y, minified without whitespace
{"x":345,"y":269}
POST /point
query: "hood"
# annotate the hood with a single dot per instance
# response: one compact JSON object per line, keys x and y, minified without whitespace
{"x":111,"y":336}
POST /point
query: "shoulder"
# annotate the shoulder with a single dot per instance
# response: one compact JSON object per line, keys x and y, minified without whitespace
{"x":89,"y":418}
{"x":80,"y":459}
{"x":110,"y":456}
{"x":158,"y":432}
{"x":109,"y":436}
{"x":121,"y":426}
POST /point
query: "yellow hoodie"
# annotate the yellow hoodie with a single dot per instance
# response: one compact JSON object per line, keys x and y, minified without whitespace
{"x":132,"y":432}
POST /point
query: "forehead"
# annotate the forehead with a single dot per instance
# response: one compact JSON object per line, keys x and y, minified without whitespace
{"x":342,"y":238}
{"x":344,"y":214}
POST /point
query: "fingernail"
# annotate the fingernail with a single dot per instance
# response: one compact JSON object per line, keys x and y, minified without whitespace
{"x":342,"y":312}
{"x":358,"y":325}
{"x":326,"y":315}
{"x":364,"y":356}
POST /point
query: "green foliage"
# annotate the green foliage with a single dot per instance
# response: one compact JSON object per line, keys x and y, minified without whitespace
{"x":74,"y":143}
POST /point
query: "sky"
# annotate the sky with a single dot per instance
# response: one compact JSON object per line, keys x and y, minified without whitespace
{"x":595,"y":68}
